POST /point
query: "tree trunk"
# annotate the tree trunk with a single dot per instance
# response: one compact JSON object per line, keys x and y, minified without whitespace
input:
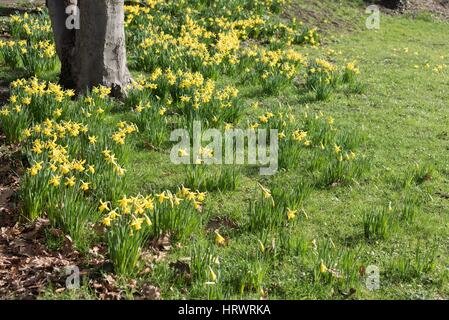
{"x":64,"y":39}
{"x":394,"y":4}
{"x":95,"y":54}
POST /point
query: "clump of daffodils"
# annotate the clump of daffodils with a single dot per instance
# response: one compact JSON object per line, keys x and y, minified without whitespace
{"x":36,"y":57}
{"x":350,"y":71}
{"x":131,"y":221}
{"x":140,"y":210}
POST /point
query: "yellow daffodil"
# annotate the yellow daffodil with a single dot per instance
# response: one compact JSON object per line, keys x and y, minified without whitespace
{"x":201,"y":196}
{"x":219,"y":239}
{"x":55,"y":181}
{"x":147,"y":220}
{"x":213,"y":276}
{"x":65,"y":168}
{"x":57,"y":113}
{"x":91,"y":169}
{"x":70,"y":181}
{"x":92,"y":139}
{"x":103,"y":206}
{"x":27,"y":133}
{"x":323,"y":268}
{"x":261,"y":246}
{"x":113,"y":214}
{"x":197,"y":205}
{"x":185,"y":191}
{"x":4,"y":112}
{"x":124,"y":202}
{"x":84,"y":186}
{"x":291,"y":214}
{"x":107,"y":221}
{"x":337,"y":149}
{"x":191,"y":196}
{"x":265,"y":191}
{"x":162,"y":197}
{"x":137,"y":223}
{"x":26,"y":101}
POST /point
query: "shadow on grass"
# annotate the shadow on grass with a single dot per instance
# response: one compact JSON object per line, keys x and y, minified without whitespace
{"x":8,"y":75}
{"x":305,"y":96}
{"x":354,"y":240}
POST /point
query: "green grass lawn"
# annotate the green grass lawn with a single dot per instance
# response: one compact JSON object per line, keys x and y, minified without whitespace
{"x":401,"y":113}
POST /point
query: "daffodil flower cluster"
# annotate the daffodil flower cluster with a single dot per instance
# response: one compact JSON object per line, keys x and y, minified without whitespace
{"x":194,"y":39}
{"x":350,"y":72}
{"x":75,"y":158}
{"x":321,"y":71}
{"x":35,"y":58}
{"x":187,"y":93}
{"x":273,"y":69}
{"x":34,"y":27}
{"x":323,"y":77}
{"x":95,"y":104}
{"x":314,"y":132}
{"x":32,"y":101}
{"x":145,"y":209}
{"x":72,"y":159}
{"x":281,"y":34}
{"x":131,"y":221}
{"x":52,"y":163}
{"x":29,"y":49}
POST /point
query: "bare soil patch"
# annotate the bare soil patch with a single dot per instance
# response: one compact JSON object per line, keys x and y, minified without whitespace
{"x":26,"y":265}
{"x":439,"y":8}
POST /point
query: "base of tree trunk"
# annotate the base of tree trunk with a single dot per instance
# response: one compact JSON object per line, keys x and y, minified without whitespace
{"x":394,"y":4}
{"x":94,"y":54}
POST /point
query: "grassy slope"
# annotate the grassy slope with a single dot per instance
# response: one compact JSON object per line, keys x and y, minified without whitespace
{"x":403,"y":113}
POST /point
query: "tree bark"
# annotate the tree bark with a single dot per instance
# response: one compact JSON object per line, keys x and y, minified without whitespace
{"x":64,"y":39}
{"x":95,"y":54}
{"x":394,"y":4}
